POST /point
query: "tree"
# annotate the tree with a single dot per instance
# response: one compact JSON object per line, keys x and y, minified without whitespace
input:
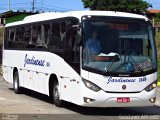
{"x":157,"y":17}
{"x":133,"y":6}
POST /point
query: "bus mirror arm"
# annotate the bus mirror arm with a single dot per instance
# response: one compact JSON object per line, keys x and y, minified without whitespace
{"x":78,"y":26}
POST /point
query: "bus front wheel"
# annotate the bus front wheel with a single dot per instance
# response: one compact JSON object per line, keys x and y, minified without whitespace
{"x":16,"y":87}
{"x":56,"y":95}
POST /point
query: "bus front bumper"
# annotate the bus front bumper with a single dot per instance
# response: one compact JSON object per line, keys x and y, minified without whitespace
{"x":104,"y":99}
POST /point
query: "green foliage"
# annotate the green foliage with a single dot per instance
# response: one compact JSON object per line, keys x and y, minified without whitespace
{"x":133,"y":6}
{"x":158,"y":49}
{"x":158,"y":43}
{"x":157,"y":17}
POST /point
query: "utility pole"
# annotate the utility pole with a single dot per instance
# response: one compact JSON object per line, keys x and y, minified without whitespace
{"x":9,"y":6}
{"x":41,"y":4}
{"x":33,"y":5}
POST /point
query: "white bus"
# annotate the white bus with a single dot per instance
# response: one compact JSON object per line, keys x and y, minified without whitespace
{"x":55,"y":54}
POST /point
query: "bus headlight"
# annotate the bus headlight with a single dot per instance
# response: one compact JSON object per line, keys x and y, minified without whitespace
{"x":151,"y":86}
{"x":91,"y":85}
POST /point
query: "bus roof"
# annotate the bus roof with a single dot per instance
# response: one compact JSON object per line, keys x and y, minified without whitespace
{"x":77,"y":14}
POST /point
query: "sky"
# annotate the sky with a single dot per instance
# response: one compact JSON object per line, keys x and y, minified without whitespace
{"x":52,"y":5}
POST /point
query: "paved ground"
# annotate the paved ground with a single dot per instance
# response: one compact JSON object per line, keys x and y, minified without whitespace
{"x":32,"y":105}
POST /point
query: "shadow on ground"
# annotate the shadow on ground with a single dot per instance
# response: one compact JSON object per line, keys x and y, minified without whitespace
{"x":154,"y":110}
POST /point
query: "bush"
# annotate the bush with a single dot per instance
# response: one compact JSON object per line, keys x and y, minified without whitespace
{"x":158,"y":53}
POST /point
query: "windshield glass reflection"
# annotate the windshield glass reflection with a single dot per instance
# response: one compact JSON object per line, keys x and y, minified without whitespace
{"x":112,"y":46}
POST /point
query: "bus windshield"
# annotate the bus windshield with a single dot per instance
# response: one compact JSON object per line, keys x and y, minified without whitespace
{"x":118,"y":46}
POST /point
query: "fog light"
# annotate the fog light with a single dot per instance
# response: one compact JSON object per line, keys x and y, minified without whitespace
{"x":88,"y":100}
{"x":152,"y":100}
{"x":154,"y":85}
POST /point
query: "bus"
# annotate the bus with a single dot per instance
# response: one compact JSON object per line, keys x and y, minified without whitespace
{"x":88,"y":58}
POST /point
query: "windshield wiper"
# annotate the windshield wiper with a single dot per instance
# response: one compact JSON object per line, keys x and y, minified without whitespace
{"x":112,"y":61}
{"x":130,"y":66}
{"x":120,"y":51}
{"x":127,"y":64}
{"x":139,"y":67}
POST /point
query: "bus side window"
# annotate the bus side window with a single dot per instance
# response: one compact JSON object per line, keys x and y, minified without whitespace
{"x":34,"y":33}
{"x":55,"y":40}
{"x":47,"y":35}
{"x":63,"y":31}
{"x":19,"y":38}
{"x":47,"y":32}
{"x":28,"y":39}
{"x":40,"y":36}
{"x":6,"y":37}
{"x":43,"y":36}
{"x":11,"y":39}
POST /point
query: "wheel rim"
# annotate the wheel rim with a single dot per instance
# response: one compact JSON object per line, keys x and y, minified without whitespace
{"x":16,"y":83}
{"x":56,"y":93}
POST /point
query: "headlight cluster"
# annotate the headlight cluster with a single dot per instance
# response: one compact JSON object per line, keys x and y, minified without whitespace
{"x":91,"y":85}
{"x":151,"y":86}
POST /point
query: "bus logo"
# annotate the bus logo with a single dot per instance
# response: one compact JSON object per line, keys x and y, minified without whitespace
{"x":33,"y":61}
{"x":110,"y":79}
{"x":124,"y":87}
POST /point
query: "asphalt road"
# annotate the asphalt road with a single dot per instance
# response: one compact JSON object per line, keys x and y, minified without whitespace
{"x":34,"y":106}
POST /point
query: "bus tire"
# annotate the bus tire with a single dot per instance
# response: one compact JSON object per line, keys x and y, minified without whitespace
{"x":16,"y":87}
{"x":56,"y":95}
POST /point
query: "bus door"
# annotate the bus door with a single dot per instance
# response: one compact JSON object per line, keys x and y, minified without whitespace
{"x":73,"y":58}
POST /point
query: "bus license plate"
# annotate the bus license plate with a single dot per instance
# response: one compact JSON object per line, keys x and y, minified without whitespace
{"x":123,"y":100}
